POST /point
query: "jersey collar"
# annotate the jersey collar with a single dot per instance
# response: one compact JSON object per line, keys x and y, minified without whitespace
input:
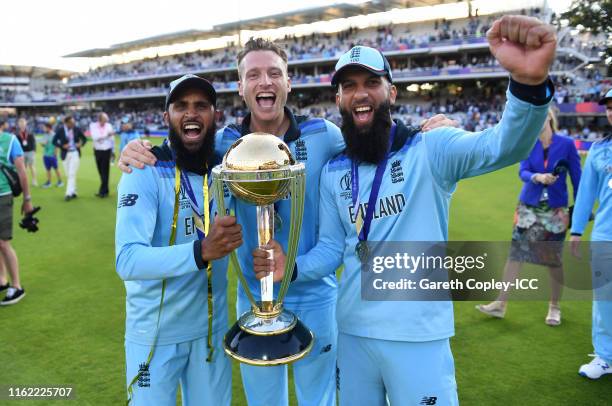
{"x":402,"y":135}
{"x":292,"y":134}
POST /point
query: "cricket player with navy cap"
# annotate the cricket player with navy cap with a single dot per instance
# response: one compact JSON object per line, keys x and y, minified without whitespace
{"x":171,"y":255}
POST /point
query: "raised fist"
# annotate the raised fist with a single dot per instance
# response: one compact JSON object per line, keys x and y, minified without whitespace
{"x":525,"y":46}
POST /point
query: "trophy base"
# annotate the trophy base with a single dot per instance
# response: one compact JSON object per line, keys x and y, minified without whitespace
{"x":263,"y":323}
{"x":283,"y":346}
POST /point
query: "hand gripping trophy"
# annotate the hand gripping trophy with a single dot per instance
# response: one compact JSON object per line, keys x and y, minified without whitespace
{"x":259,"y":169}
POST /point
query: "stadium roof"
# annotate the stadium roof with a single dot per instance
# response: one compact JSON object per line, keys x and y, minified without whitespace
{"x":156,"y":41}
{"x":323,"y":13}
{"x":295,"y":17}
{"x":34,"y":71}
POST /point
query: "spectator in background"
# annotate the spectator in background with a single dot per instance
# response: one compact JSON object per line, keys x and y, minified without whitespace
{"x":28,"y":144}
{"x":542,"y":215}
{"x":127,"y":132}
{"x":70,"y":139}
{"x":102,"y":134}
{"x":49,"y":156}
{"x":11,"y":154}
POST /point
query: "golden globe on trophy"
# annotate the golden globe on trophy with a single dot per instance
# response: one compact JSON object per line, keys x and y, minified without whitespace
{"x":259,"y":169}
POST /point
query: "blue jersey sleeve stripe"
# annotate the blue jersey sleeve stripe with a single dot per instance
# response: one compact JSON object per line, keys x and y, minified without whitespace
{"x":313,"y":126}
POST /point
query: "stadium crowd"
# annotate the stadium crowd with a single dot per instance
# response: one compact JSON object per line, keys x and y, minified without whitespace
{"x":316,"y":45}
{"x":319,"y":45}
{"x":472,"y":113}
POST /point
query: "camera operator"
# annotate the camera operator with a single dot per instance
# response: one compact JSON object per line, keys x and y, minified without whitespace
{"x":11,"y":154}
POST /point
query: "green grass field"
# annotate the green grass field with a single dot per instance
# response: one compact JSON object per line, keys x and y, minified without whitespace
{"x":69,"y":329}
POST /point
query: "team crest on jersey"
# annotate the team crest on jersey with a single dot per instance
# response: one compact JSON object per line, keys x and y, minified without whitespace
{"x":144,"y":375}
{"x":301,"y":154}
{"x":345,"y":185}
{"x":397,"y":173}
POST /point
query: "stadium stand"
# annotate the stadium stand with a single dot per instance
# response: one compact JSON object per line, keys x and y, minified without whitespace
{"x":439,"y":66}
{"x":26,"y":85}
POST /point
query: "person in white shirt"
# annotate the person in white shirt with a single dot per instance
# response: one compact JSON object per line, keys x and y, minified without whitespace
{"x":102,"y":134}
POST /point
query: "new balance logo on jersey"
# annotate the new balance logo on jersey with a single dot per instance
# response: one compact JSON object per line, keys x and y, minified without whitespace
{"x":397,"y":173}
{"x":127,"y":200}
{"x":386,"y":206}
{"x":428,"y":400}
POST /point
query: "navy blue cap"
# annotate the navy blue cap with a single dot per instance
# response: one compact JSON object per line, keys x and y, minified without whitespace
{"x":607,"y":97}
{"x":364,"y":57}
{"x":190,"y":81}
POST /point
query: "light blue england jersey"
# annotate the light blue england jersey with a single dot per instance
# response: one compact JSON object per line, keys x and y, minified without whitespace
{"x":595,"y":184}
{"x":413,"y":204}
{"x":126,"y":136}
{"x":144,"y":258}
{"x":313,"y":142}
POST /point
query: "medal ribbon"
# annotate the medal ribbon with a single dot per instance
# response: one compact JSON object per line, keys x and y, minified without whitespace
{"x":202,"y":230}
{"x":363,"y":225}
{"x":177,"y":189}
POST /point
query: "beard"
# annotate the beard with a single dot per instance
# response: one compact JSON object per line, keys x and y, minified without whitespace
{"x":371,"y":143}
{"x":194,"y":161}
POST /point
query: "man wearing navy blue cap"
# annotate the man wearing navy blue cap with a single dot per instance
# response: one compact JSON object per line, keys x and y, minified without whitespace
{"x":607,"y":102}
{"x":400,"y":350}
{"x":172,"y":261}
{"x":604,"y":100}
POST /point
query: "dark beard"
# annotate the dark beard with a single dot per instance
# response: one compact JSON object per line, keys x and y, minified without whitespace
{"x":369,"y":144}
{"x":196,"y":161}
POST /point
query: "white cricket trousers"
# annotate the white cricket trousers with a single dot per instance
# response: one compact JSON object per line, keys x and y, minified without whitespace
{"x":71,"y":166}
